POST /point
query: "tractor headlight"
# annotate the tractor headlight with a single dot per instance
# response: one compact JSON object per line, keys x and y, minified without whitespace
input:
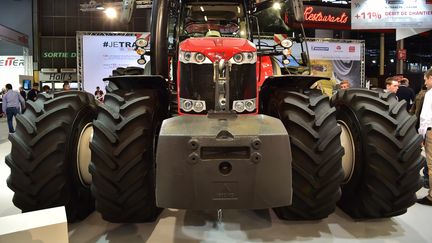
{"x":238,"y":58}
{"x":199,"y":57}
{"x":188,"y":105}
{"x":239,"y":106}
{"x":244,"y":58}
{"x":142,"y":60}
{"x":193,"y":57}
{"x":249,"y":56}
{"x":187,"y":56}
{"x":140,"y":51}
{"x":287,"y":43}
{"x":141,"y":42}
{"x":286,"y":52}
{"x":199,"y":106}
{"x":250,"y":105}
{"x":244,"y":105}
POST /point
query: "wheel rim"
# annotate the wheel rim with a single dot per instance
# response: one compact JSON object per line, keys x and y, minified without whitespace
{"x":348,"y":159}
{"x":84,"y":154}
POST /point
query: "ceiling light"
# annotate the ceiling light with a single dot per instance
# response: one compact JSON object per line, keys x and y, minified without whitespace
{"x":111,"y":13}
{"x":277,"y":6}
{"x":93,"y":6}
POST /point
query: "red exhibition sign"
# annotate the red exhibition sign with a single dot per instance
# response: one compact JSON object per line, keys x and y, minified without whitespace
{"x":325,"y":17}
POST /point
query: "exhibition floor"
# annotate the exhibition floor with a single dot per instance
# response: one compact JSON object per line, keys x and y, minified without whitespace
{"x":237,"y":225}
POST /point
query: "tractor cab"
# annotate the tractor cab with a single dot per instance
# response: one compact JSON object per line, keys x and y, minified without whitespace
{"x":220,"y":59}
{"x":213,"y":19}
{"x":216,"y":68}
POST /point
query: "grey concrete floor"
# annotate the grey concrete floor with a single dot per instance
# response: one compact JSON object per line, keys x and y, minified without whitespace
{"x":237,"y":225}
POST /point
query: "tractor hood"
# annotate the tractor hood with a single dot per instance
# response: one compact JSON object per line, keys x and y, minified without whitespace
{"x":216,"y":48}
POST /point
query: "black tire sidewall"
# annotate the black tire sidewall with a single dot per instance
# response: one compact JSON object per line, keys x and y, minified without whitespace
{"x":81,"y":192}
{"x":110,"y":186}
{"x":347,"y":115}
{"x":315,"y":194}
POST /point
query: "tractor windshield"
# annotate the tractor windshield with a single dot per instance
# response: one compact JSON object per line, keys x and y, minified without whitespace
{"x":214,"y":19}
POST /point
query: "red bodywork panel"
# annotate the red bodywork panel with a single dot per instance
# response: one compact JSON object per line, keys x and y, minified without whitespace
{"x":266,"y":69}
{"x":216,"y":48}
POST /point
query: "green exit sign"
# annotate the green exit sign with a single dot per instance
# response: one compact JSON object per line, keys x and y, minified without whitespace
{"x":51,"y":54}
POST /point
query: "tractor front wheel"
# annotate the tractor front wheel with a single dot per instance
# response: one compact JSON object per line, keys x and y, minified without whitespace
{"x":123,"y":162}
{"x":316,"y":152}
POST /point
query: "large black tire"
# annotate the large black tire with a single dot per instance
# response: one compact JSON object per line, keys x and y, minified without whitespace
{"x":386,"y":158}
{"x":121,"y":71}
{"x":43,"y":159}
{"x":123,"y":163}
{"x":316,"y":152}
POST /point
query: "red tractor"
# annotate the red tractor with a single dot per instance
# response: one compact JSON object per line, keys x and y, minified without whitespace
{"x":247,"y":133}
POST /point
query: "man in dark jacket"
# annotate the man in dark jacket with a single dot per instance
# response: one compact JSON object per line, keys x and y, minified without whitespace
{"x":32,"y":94}
{"x":23,"y":93}
{"x":405,"y":93}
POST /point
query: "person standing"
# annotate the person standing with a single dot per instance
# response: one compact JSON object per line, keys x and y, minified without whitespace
{"x":415,"y":111}
{"x":99,"y":94}
{"x":2,"y":93}
{"x":417,"y":105}
{"x":23,"y":93}
{"x":405,"y":93}
{"x":12,"y":103}
{"x":32,"y":94}
{"x":392,"y":85}
{"x":425,"y":130}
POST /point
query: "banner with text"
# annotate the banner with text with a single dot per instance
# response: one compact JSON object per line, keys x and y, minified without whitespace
{"x":338,"y":60}
{"x":333,"y":58}
{"x":10,"y":69}
{"x":334,"y":51}
{"x":391,"y":14}
{"x":102,"y":54}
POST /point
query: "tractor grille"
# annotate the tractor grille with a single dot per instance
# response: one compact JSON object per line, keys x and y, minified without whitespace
{"x":196,"y":83}
{"x":242,"y":82}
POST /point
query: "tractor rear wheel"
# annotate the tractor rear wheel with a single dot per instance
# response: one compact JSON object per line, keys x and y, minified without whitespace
{"x":316,"y":152}
{"x":46,"y":166}
{"x":123,"y":162}
{"x":383,"y":159}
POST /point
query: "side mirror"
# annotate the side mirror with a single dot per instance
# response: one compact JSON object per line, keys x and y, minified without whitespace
{"x":296,"y":10}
